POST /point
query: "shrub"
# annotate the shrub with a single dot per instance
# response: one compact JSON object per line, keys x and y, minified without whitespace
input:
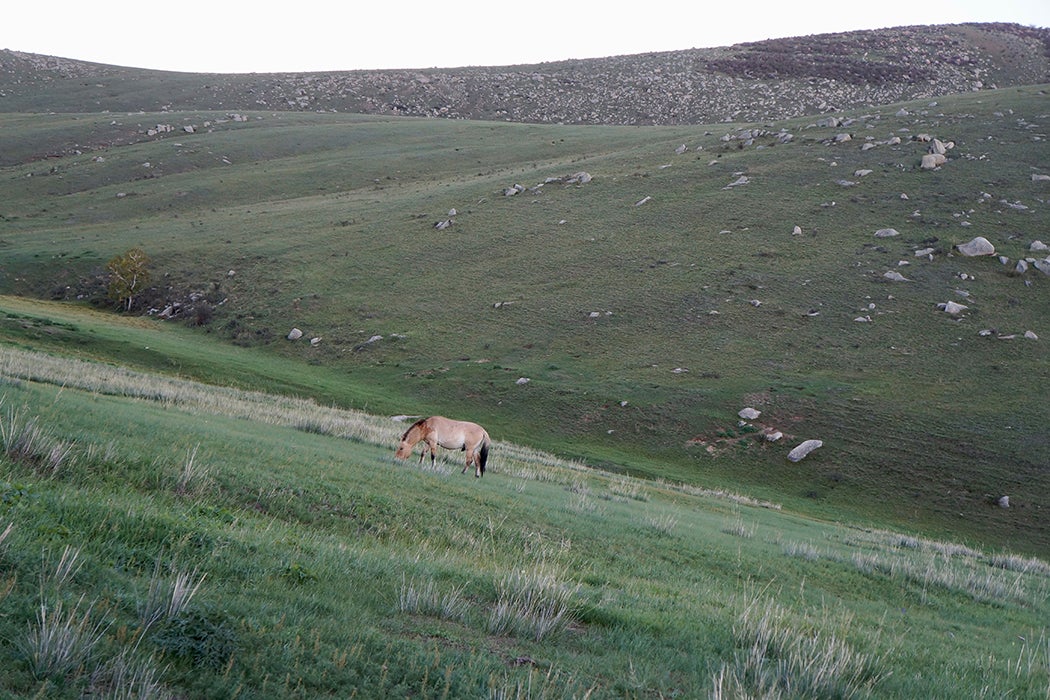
{"x":205,"y":640}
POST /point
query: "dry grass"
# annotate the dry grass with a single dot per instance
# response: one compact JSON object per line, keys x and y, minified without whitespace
{"x":781,"y":654}
{"x":533,"y":602}
{"x":61,"y":642}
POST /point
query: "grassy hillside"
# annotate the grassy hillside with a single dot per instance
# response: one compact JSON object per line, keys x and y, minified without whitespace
{"x":163,"y":538}
{"x":645,"y":307}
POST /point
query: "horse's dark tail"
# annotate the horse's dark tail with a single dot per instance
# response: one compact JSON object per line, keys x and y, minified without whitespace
{"x":483,"y":455}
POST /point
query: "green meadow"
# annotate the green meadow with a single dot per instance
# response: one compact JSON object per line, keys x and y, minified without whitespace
{"x":202,"y":507}
{"x":168,"y":538}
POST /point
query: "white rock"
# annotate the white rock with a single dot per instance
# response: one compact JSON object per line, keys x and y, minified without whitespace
{"x":1038,"y":247}
{"x":953,"y":308}
{"x":295,"y":334}
{"x":887,"y":233}
{"x":1031,"y":335}
{"x":932,"y":160}
{"x":804,"y":449}
{"x":797,"y":231}
{"x":642,"y":201}
{"x":978,"y":246}
{"x":1040,"y":178}
{"x":894,"y":276}
{"x":773,"y":435}
{"x":315,"y":341}
{"x":749,"y":413}
{"x":862,"y":172}
{"x":924,"y":252}
{"x":522,"y":381}
{"x":1004,"y":502}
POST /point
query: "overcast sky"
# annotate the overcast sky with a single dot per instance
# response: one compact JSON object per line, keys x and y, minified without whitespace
{"x":229,"y":36}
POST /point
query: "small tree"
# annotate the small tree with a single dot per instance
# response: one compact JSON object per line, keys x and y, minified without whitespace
{"x":127,"y":276}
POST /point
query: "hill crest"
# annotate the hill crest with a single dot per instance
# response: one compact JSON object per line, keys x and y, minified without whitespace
{"x":773,"y":79}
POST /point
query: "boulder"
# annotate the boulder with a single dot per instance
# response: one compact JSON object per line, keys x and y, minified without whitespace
{"x":887,"y":233}
{"x":1004,"y":501}
{"x":295,"y":334}
{"x":978,"y":246}
{"x":894,"y":276}
{"x":953,"y":308}
{"x":804,"y":449}
{"x":749,"y":413}
{"x":1043,"y":266}
{"x":933,"y":160}
{"x":1038,"y":247}
{"x":1040,"y":178}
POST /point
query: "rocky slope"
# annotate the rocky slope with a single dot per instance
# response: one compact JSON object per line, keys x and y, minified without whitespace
{"x":774,"y":79}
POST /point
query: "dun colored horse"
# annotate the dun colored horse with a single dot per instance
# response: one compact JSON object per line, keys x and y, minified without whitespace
{"x":450,"y":434}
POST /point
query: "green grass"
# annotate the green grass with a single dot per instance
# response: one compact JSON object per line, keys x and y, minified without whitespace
{"x":325,"y":221}
{"x":215,"y":542}
{"x":634,"y":324}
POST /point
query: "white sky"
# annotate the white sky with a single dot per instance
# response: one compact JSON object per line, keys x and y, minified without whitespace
{"x":230,"y":36}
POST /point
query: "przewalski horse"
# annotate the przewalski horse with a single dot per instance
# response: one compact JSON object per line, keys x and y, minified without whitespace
{"x":452,"y":435}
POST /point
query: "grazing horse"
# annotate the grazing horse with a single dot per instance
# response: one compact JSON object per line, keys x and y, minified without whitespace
{"x":450,"y":434}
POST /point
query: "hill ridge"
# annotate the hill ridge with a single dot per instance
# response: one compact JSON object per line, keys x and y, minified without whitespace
{"x":755,"y":81}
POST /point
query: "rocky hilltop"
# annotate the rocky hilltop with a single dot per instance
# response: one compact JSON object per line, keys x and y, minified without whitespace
{"x":775,"y":79}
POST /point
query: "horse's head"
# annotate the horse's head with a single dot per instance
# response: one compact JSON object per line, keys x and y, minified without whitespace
{"x":404,"y":449}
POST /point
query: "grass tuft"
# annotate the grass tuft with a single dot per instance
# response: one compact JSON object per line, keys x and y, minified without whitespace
{"x":781,"y":657}
{"x":533,"y":603}
{"x":424,"y":598}
{"x":61,"y":643}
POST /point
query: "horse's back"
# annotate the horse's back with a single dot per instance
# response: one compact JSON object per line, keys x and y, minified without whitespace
{"x":456,"y":434}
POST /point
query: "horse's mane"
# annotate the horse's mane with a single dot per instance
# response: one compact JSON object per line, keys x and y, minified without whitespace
{"x":418,"y":424}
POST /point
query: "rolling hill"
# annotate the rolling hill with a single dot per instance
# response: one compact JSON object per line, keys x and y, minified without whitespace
{"x":650,"y":277}
{"x":624,"y":318}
